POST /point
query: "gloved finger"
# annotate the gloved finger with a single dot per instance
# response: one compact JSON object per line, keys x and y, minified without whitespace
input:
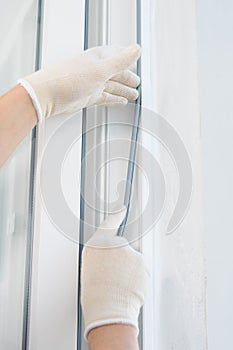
{"x":107,"y":231}
{"x":105,"y":51}
{"x":128,"y":78}
{"x":105,"y":236}
{"x":115,"y":88}
{"x":122,"y":60}
{"x":109,"y":99}
{"x":113,"y":221}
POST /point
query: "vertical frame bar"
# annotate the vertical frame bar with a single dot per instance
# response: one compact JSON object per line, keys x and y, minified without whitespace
{"x":82,"y":201}
{"x":92,"y":38}
{"x":97,"y":32}
{"x":134,"y":137}
{"x":32,"y":191}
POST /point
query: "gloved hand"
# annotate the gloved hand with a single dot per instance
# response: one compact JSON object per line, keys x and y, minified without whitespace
{"x":113,"y":278}
{"x":99,"y":75}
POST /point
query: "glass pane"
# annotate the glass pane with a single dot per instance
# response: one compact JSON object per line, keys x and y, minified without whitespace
{"x":18,"y":44}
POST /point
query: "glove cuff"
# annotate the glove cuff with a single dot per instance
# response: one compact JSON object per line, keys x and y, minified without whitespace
{"x":111,"y":304}
{"x":27,"y":86}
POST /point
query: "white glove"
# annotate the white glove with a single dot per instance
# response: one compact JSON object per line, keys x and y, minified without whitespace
{"x":99,"y":75}
{"x":113,"y":278}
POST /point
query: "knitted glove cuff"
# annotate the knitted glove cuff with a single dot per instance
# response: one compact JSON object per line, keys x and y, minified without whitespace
{"x":27,"y":86}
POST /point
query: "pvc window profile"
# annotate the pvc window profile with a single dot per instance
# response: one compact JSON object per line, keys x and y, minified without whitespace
{"x":103,"y":8}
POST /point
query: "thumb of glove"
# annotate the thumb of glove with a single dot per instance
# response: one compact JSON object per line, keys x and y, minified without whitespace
{"x":105,"y":236}
{"x":122,"y":60}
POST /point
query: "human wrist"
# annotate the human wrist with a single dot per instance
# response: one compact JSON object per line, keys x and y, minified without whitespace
{"x":24,"y":105}
{"x":114,"y":337}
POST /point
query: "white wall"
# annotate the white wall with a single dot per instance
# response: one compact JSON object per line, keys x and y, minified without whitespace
{"x":215,"y":33}
{"x":170,"y":87}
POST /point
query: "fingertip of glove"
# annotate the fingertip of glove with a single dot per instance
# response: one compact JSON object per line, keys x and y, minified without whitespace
{"x":105,"y":236}
{"x":121,"y":102}
{"x":133,"y":51}
{"x":123,"y":60}
{"x":136,"y":49}
{"x":115,"y":219}
{"x":135,"y":95}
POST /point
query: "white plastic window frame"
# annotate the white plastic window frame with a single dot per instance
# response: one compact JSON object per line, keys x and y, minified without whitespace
{"x":17,"y":177}
{"x":56,"y":329}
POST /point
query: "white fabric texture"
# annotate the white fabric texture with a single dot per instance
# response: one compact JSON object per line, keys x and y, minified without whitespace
{"x":114,"y":278}
{"x":100,"y":75}
{"x":35,"y":101}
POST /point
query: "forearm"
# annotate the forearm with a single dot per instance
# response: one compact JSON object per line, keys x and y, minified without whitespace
{"x":114,"y":337}
{"x":17,"y":119}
